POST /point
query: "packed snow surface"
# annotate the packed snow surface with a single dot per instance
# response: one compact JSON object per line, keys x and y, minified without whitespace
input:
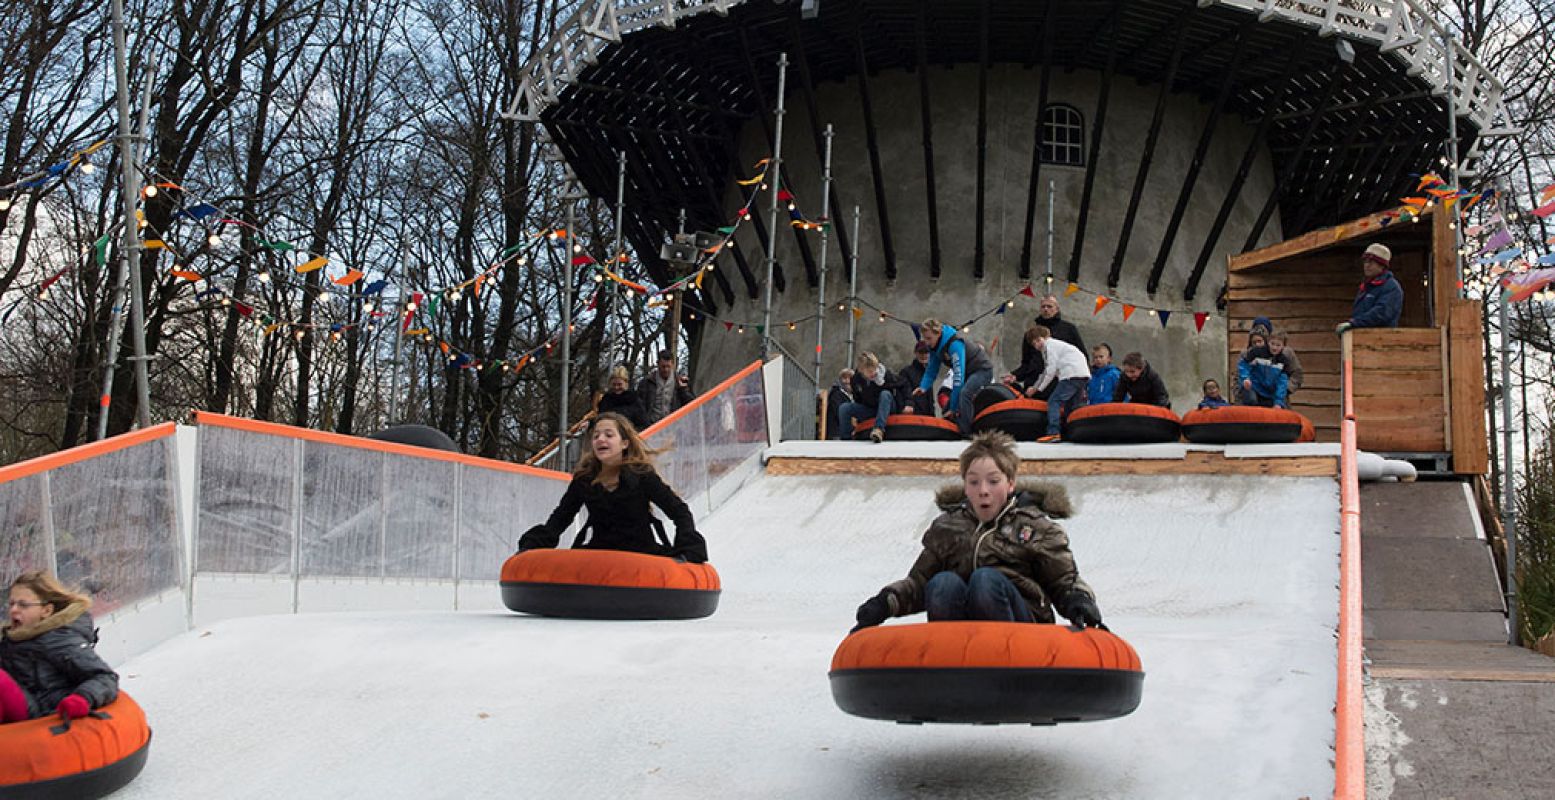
{"x":1225,"y":585}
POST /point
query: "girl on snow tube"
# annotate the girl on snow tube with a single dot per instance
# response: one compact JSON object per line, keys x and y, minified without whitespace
{"x":47,"y":661}
{"x":616,"y":481}
{"x":994,"y":554}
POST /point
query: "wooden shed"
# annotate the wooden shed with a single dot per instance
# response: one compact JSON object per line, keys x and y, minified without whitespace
{"x":1419,"y":388}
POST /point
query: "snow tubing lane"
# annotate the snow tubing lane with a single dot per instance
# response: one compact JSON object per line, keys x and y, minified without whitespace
{"x":608,"y":584}
{"x":910,"y":428}
{"x":1024,"y":419}
{"x":90,"y":757}
{"x":986,"y":673}
{"x":989,"y":395}
{"x":1122,"y":423}
{"x":1243,"y":425}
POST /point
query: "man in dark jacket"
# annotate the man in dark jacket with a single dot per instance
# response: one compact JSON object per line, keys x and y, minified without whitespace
{"x":1380,"y":300}
{"x":664,"y":390}
{"x":1031,"y":359}
{"x":1140,"y":384}
{"x":911,"y":375}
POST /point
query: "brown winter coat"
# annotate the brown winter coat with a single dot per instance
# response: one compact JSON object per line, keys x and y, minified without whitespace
{"x":1023,"y":542}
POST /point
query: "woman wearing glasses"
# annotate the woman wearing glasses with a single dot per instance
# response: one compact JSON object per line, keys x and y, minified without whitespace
{"x":47,"y":661}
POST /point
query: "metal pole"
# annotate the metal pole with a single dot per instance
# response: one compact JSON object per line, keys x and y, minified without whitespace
{"x":1508,"y":499}
{"x":1452,"y":154}
{"x":775,"y":183}
{"x":820,"y":297}
{"x":130,"y":259}
{"x":674,"y":345}
{"x":1051,"y":189}
{"x":615,"y":253}
{"x":400,"y":321}
{"x":561,"y":431}
{"x":852,"y":290}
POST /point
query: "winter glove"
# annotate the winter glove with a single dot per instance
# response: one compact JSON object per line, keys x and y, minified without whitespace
{"x":874,"y":611}
{"x":528,"y":540}
{"x":74,"y":706}
{"x":1081,"y":610}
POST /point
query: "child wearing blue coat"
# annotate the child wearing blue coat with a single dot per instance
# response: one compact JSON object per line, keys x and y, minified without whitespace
{"x":1104,"y":375}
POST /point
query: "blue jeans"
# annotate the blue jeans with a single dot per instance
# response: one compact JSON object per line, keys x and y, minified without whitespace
{"x":1066,"y":396}
{"x":988,"y":595}
{"x":853,"y":412}
{"x":964,"y":408}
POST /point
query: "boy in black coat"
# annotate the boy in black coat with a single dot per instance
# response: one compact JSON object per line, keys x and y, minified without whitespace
{"x":1140,"y":384}
{"x":874,"y":395}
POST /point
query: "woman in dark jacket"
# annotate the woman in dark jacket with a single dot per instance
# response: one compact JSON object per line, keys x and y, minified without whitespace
{"x":621,"y":400}
{"x":47,"y":661}
{"x":616,"y":480}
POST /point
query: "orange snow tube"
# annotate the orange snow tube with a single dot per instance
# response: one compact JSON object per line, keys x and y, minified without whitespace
{"x":608,"y":584}
{"x":1243,"y":425}
{"x":911,"y":428}
{"x":90,"y":757}
{"x":1122,"y":423}
{"x":1022,"y":418}
{"x":986,"y":673}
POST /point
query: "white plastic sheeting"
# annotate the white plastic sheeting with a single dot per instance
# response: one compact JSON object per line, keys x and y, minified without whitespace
{"x":106,"y":523}
{"x":273,"y":505}
{"x":712,"y":450}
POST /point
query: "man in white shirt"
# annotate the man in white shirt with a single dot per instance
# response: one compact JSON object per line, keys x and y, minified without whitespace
{"x":1066,"y":364}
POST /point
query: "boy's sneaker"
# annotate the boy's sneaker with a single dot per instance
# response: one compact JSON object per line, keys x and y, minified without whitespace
{"x":877,"y":435}
{"x":1052,"y":437}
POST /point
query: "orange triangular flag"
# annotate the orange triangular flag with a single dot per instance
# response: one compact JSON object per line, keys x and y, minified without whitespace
{"x":153,"y":244}
{"x":186,"y":274}
{"x":1546,"y":195}
{"x":352,"y":276}
{"x":1101,"y":302}
{"x":315,"y":263}
{"x":858,"y":313}
{"x":476,"y":289}
{"x":1128,"y":311}
{"x":1073,"y":287}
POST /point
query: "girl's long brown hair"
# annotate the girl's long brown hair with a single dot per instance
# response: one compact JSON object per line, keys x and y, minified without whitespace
{"x":50,"y":590}
{"x":636,"y":456}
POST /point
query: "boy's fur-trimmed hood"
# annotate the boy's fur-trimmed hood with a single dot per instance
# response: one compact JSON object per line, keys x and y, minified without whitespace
{"x":1052,"y":498}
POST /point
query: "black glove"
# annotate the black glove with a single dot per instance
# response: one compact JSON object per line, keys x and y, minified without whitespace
{"x":528,"y":540}
{"x":1081,"y":610}
{"x":874,"y":611}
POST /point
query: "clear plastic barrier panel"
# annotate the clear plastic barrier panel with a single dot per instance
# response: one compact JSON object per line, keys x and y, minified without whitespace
{"x":247,"y":507}
{"x":24,"y":544}
{"x":704,"y":450}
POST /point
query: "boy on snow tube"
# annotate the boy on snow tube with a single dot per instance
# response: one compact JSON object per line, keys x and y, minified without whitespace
{"x":48,"y":664}
{"x":994,"y":554}
{"x":616,"y":481}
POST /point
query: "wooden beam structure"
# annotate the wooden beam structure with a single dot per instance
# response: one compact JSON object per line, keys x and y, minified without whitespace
{"x":1098,"y":124}
{"x":979,"y":248}
{"x":1184,"y":23}
{"x":1200,"y":151}
{"x":1282,"y":176}
{"x":928,"y":137}
{"x":872,"y":141}
{"x":1036,"y":144}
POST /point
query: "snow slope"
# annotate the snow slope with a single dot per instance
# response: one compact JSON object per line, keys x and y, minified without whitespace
{"x":1225,"y":585}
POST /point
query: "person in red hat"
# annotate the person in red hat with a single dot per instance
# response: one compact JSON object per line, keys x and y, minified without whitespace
{"x":1380,"y":299}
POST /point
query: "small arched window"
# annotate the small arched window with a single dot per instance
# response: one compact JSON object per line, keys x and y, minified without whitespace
{"x":1063,"y":136}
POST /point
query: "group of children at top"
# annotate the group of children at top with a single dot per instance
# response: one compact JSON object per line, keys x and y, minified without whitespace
{"x":1054,"y":368}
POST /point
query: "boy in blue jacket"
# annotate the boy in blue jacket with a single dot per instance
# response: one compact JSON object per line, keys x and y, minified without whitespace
{"x":970,"y":370}
{"x":1104,"y":375}
{"x":1265,"y":374}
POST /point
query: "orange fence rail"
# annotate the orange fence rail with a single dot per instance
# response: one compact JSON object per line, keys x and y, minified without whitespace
{"x":33,"y":466}
{"x":1349,"y":738}
{"x":291,"y":432}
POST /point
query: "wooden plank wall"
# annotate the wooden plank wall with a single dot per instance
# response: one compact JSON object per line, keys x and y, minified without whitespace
{"x":1400,"y":389}
{"x":1307,"y":295}
{"x":1466,"y":387}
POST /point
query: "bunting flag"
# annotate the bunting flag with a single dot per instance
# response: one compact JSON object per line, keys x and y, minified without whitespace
{"x":1164,"y":314}
{"x":1101,"y":303}
{"x":1504,"y":256}
{"x":1522,"y":285}
{"x":1548,"y":259}
{"x":1499,"y":239}
{"x":197,"y":212}
{"x":475,"y":288}
{"x":375,"y":287}
{"x":1547,"y":194}
{"x":1545,"y":210}
{"x":50,"y":281}
{"x":1026,"y":290}
{"x":153,"y":244}
{"x":582,"y":260}
{"x":510,"y":250}
{"x":185,"y":274}
{"x":728,"y":326}
{"x":785,"y":196}
{"x":315,"y":263}
{"x":858,"y":313}
{"x":1198,"y":320}
{"x":352,"y":276}
{"x":752,"y":181}
{"x":1002,"y":308}
{"x":274,"y":244}
{"x":1073,"y":287}
{"x":1128,"y":311}
{"x":100,"y":250}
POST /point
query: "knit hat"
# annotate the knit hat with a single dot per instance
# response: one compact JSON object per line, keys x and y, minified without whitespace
{"x":1378,"y":252}
{"x":1263,"y":323}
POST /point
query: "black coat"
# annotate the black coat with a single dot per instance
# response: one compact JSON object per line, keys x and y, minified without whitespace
{"x":912,"y":375}
{"x":55,"y":658}
{"x":867,"y":392}
{"x":628,"y":404}
{"x":1148,"y":389}
{"x":621,"y":519}
{"x":1032,"y":362}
